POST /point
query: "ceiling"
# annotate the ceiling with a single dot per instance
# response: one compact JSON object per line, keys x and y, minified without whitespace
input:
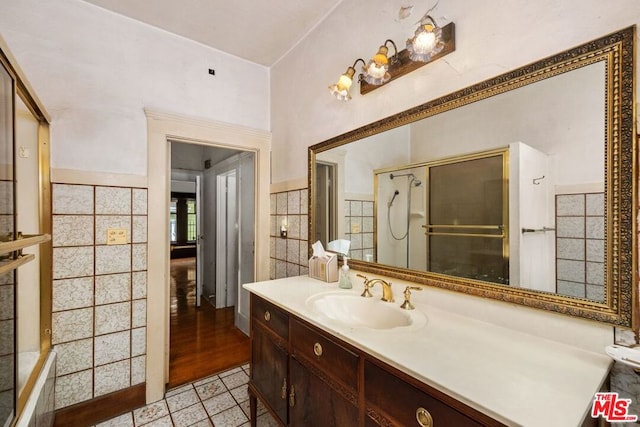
{"x":258,"y":31}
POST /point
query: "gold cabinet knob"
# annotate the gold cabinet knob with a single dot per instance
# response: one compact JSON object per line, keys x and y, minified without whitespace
{"x":317,"y":349}
{"x":424,"y":418}
{"x":267,"y":315}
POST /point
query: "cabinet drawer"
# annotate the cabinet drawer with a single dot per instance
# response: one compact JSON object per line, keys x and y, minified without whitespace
{"x":387,"y":396}
{"x":270,"y":316}
{"x":325,"y":353}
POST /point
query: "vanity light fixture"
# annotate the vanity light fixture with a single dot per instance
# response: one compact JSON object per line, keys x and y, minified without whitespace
{"x":426,"y":41}
{"x":341,"y":89}
{"x":377,"y":70}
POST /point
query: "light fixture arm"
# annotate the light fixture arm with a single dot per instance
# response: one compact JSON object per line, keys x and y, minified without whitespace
{"x":364,"y":64}
{"x":395,"y":49}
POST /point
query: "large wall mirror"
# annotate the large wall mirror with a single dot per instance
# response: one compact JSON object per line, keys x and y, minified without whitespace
{"x":520,"y":188}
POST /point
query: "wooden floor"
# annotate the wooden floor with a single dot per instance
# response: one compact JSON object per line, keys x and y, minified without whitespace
{"x":204,"y":341}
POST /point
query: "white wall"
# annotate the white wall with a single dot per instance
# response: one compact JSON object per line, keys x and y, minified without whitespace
{"x":96,"y":71}
{"x":491,"y":38}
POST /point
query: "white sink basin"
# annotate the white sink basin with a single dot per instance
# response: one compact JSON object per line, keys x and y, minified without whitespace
{"x":354,"y":311}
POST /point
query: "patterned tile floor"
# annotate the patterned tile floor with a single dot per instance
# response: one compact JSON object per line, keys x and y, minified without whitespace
{"x":220,"y":401}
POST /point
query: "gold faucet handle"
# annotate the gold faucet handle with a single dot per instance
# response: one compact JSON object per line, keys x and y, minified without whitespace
{"x":367,"y":286}
{"x":407,"y":297}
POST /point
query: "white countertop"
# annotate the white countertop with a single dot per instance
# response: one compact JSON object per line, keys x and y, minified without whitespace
{"x":512,"y":376}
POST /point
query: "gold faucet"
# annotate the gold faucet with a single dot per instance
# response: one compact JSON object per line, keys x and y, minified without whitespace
{"x":387,"y":293}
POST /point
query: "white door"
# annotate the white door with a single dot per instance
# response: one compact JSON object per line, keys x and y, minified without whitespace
{"x":199,"y":236}
{"x":226,"y":239}
{"x":246,"y":207}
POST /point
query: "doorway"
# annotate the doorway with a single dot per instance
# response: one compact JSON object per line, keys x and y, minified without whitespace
{"x":208,"y":331}
{"x":161,"y":129}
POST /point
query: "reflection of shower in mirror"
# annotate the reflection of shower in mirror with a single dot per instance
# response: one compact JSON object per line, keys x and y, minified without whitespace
{"x":401,"y":209}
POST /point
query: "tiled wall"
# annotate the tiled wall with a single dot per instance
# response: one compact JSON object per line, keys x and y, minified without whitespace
{"x":580,"y":245}
{"x":7,"y":346}
{"x":290,"y":255}
{"x":99,"y":290}
{"x":359,"y":229}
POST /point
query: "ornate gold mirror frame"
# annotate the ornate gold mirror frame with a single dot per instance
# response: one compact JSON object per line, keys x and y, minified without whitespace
{"x":617,"y":51}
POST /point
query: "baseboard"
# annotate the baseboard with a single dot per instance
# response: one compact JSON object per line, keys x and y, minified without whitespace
{"x":101,"y":408}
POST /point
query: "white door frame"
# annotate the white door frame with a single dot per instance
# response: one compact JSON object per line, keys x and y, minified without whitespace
{"x":162,"y":128}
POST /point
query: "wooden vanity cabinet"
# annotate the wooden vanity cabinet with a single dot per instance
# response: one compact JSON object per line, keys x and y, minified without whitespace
{"x":269,"y":358}
{"x":307,"y":377}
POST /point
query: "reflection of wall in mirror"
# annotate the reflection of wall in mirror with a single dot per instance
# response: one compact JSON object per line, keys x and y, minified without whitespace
{"x":531,"y":206}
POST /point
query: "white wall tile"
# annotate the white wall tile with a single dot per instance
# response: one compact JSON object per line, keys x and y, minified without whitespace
{"x":104,"y":222}
{"x":281,"y":203}
{"x":595,"y":227}
{"x":6,"y":302}
{"x":72,"y":325}
{"x":138,"y":341}
{"x":72,"y":293}
{"x":72,"y":199}
{"x":112,"y":377}
{"x":139,"y":229}
{"x":595,"y":204}
{"x":6,"y":197}
{"x":595,"y":273}
{"x":72,"y":262}
{"x":112,"y":318}
{"x":72,"y":230}
{"x":139,"y":284}
{"x":113,"y":201}
{"x":113,"y":259}
{"x":293,"y":250}
{"x":6,"y":336}
{"x":112,"y":347}
{"x":139,"y":201}
{"x":573,"y":271}
{"x":595,"y":250}
{"x":113,"y":288}
{"x":74,"y":388}
{"x":570,"y":226}
{"x":74,"y":356}
{"x":570,"y":248}
{"x":571,"y":289}
{"x":293,"y":202}
{"x":570,"y":204}
{"x":304,"y":201}
{"x":139,"y":257}
{"x":139,"y":317}
{"x":138,"y":367}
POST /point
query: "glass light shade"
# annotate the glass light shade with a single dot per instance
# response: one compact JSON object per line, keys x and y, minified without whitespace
{"x":341,"y":89}
{"x":377,"y":70}
{"x":426,"y":42}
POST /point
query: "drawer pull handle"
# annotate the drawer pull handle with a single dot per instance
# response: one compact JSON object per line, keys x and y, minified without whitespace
{"x":424,"y":418}
{"x":317,"y":349}
{"x":284,"y":389}
{"x":292,"y":398}
{"x":267,"y":315}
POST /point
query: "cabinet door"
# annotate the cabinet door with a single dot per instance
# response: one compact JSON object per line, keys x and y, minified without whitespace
{"x":313,"y":403}
{"x":269,"y":372}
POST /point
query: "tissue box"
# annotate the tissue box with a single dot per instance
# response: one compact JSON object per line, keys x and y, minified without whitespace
{"x":324,"y":268}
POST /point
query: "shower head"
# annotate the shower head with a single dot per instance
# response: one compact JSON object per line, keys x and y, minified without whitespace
{"x":417,"y":182}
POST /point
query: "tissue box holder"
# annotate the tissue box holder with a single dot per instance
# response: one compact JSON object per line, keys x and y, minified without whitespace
{"x":325,"y":268}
